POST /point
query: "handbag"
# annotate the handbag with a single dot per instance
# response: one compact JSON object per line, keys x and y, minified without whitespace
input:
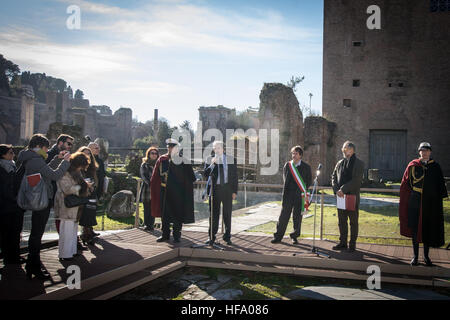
{"x":33,"y":193}
{"x":72,"y":201}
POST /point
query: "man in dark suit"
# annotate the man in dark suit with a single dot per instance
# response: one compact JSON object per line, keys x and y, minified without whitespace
{"x":223,"y":172}
{"x":346,"y":179}
{"x":295,"y":172}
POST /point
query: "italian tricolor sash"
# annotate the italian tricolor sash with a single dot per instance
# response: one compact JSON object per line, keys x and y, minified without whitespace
{"x":301,"y":184}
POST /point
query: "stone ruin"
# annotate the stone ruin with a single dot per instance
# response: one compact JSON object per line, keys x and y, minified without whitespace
{"x":279,"y":109}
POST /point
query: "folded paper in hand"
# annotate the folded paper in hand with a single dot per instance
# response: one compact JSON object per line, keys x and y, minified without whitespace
{"x":34,"y":179}
{"x":348,"y":202}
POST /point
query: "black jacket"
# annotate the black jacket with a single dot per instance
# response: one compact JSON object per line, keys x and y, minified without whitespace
{"x":214,"y":173}
{"x":354,"y":185}
{"x":54,"y":151}
{"x":289,"y":183}
{"x":101,"y":174}
{"x":8,"y":196}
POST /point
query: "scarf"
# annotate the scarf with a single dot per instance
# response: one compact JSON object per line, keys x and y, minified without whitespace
{"x":41,"y":152}
{"x":8,"y":165}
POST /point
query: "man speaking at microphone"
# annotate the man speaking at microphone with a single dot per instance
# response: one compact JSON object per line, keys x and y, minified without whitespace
{"x":297,"y":179}
{"x":223,"y":171}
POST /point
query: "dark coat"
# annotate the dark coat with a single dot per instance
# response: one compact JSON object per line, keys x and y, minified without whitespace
{"x":430,"y":215}
{"x":176,"y":198}
{"x":354,"y":185}
{"x":214,"y":173}
{"x":146,"y":172}
{"x":289,"y":182}
{"x":51,"y":153}
{"x":8,"y":194}
{"x":101,"y":174}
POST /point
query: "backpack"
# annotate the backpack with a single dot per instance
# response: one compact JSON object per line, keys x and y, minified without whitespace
{"x":34,"y":198}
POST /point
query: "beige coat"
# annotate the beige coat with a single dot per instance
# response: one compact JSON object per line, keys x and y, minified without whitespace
{"x":66,"y":185}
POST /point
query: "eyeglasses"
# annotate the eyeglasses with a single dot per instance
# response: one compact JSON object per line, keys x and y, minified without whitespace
{"x":155,"y":153}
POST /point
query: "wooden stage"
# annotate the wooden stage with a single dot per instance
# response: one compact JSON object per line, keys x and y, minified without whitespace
{"x":125,"y":260}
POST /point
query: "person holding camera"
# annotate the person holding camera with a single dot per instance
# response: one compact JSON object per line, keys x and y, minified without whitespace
{"x":33,"y":158}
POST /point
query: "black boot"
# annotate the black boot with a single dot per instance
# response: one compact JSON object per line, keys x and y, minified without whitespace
{"x":340,"y":246}
{"x":33,"y":269}
{"x":414,"y":261}
{"x":426,"y":251}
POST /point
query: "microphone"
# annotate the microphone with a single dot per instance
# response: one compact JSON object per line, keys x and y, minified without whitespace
{"x":318,"y":169}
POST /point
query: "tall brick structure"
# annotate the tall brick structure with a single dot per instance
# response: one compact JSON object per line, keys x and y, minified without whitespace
{"x":388,"y":89}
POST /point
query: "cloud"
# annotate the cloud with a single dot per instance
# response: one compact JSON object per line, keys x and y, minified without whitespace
{"x":154,"y":87}
{"x":197,"y":28}
{"x":37,"y":52}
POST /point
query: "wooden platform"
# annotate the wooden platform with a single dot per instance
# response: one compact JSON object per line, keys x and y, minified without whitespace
{"x":122,"y":261}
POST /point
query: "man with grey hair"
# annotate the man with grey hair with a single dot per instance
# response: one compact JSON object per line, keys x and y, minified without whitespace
{"x":221,"y":172}
{"x":346,"y":179}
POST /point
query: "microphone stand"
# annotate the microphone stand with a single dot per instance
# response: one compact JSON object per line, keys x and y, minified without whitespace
{"x":314,"y":249}
{"x":211,"y":243}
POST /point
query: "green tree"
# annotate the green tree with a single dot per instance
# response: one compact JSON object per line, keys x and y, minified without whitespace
{"x":79,"y":94}
{"x":8,"y":70}
{"x":164,"y":132}
{"x":145,"y":143}
{"x":293,"y":82}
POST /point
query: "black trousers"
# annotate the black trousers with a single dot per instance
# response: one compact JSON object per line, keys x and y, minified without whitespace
{"x":222,"y":195}
{"x":292,"y":203}
{"x":167,"y":218}
{"x":344,"y":216}
{"x":11,"y":224}
{"x":38,"y":222}
{"x":149,"y":220}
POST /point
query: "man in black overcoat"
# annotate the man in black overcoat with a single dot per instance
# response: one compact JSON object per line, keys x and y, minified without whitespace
{"x":172,"y":191}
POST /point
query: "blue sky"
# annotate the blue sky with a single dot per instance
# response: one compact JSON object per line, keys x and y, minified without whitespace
{"x":174,"y":55}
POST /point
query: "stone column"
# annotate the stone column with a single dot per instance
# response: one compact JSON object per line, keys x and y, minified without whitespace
{"x":27,"y":113}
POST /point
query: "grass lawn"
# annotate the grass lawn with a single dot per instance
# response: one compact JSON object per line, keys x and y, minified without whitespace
{"x":373,"y":222}
{"x":119,"y":223}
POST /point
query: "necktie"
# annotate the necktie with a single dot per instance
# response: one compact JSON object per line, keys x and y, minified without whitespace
{"x":222,"y":177}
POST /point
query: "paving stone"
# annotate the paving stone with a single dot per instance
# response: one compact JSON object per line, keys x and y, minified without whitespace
{"x":225,"y":294}
{"x":343,"y":293}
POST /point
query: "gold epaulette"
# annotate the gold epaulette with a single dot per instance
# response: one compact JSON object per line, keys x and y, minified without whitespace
{"x":417,"y":189}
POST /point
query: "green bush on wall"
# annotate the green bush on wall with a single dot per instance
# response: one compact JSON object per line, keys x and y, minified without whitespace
{"x":122,"y":181}
{"x":133,"y":165}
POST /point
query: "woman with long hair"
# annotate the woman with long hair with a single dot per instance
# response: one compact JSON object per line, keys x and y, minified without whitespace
{"x":72,"y":182}
{"x":89,"y":212}
{"x":148,"y":163}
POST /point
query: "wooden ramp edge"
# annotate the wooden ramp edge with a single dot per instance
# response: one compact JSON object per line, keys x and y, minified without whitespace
{"x":109,"y":276}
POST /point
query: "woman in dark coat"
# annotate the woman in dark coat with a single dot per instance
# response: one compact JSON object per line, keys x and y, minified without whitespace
{"x":421,"y":208}
{"x":88,"y":212}
{"x":148,"y":163}
{"x":11,"y":216}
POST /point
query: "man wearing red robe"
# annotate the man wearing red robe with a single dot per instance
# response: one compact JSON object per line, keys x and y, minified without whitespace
{"x":421,"y":208}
